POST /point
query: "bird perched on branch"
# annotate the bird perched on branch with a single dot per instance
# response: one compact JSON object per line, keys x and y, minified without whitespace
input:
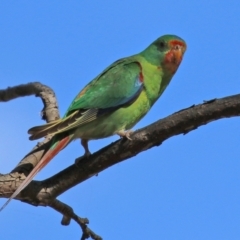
{"x":114,"y":101}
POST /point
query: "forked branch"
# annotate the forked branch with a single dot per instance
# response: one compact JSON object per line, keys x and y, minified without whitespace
{"x":45,"y":192}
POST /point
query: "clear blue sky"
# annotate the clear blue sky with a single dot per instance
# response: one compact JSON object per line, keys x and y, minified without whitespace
{"x":188,"y":188}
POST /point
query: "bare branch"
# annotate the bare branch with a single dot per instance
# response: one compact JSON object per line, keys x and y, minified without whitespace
{"x":182,"y":122}
{"x":143,"y":139}
{"x":69,"y":214}
{"x":18,"y":174}
{"x":50,"y":110}
{"x":44,"y":193}
{"x":49,"y":113}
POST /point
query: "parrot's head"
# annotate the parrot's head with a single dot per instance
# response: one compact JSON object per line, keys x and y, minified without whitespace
{"x":166,"y":52}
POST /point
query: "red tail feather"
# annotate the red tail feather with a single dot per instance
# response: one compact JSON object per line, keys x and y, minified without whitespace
{"x":43,"y":162}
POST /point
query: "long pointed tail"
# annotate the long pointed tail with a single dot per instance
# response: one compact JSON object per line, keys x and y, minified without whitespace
{"x":53,"y":151}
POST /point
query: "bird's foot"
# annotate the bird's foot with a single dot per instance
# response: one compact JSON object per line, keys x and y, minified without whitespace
{"x":87,"y":153}
{"x":125,"y":134}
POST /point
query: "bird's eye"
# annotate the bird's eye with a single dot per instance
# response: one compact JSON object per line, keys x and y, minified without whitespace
{"x":176,"y":47}
{"x":161,"y":45}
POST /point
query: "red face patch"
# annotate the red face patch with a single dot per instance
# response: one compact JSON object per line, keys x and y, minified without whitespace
{"x":177,"y":42}
{"x":173,"y":57}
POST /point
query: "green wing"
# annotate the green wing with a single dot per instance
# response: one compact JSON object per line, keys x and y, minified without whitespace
{"x":118,"y":85}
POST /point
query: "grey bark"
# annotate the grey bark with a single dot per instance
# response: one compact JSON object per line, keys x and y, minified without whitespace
{"x":44,"y":193}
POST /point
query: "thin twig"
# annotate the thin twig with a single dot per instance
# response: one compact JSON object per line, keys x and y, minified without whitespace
{"x":69,"y":214}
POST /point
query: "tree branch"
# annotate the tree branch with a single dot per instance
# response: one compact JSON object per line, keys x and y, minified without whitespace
{"x":143,"y":139}
{"x":49,"y":113}
{"x":18,"y":174}
{"x":50,"y":110}
{"x":69,"y":214}
{"x":44,"y":192}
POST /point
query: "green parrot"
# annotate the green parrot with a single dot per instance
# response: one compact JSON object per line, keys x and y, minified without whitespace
{"x":114,"y":101}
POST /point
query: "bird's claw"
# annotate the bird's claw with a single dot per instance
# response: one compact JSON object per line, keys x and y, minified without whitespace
{"x":125,"y":134}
